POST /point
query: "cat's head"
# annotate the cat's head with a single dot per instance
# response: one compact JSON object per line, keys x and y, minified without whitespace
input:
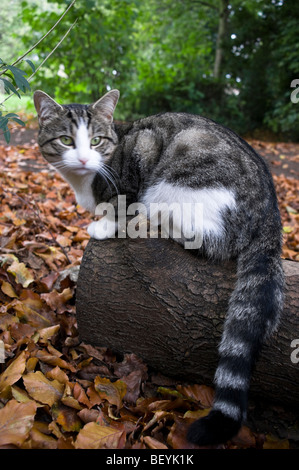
{"x":76,"y":138}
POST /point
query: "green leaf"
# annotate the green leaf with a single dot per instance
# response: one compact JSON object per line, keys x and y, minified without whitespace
{"x":19,"y":121}
{"x":9,"y":87}
{"x":19,"y":77}
{"x":6,"y":134}
{"x":31,"y":64}
{"x":16,"y":71}
{"x":3,"y":122}
{"x":10,"y":115}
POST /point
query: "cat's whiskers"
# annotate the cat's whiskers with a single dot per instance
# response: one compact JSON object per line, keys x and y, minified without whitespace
{"x":108,"y":176}
{"x":61,"y":166}
{"x":113,"y":173}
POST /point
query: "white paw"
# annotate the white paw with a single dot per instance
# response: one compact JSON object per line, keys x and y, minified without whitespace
{"x":102,"y":229}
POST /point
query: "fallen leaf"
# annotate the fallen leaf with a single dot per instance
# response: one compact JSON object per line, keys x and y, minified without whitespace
{"x":12,"y":374}
{"x":21,"y":273}
{"x":113,"y":392}
{"x":53,"y":360}
{"x":41,"y":389}
{"x":199,"y":393}
{"x":88,"y":416}
{"x":58,"y":374}
{"x":81,"y":396}
{"x":57,"y":301}
{"x":40,"y":440}
{"x":67,"y":418}
{"x":46,"y":333}
{"x":176,"y":438}
{"x":154,"y":443}
{"x":287,"y":228}
{"x":7,"y":288}
{"x":245,"y":438}
{"x":68,"y":398}
{"x":16,"y":421}
{"x":197,"y":414}
{"x":95,"y":436}
{"x":31,"y":299}
{"x":272,"y":442}
{"x":20,"y":395}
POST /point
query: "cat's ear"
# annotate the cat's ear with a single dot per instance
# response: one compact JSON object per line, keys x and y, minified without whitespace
{"x":45,"y":106}
{"x":106,"y":105}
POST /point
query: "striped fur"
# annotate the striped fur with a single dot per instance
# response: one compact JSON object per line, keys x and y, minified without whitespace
{"x":177,"y":157}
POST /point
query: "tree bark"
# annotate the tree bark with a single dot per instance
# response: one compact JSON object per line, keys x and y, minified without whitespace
{"x":222,"y":32}
{"x":156,"y":299}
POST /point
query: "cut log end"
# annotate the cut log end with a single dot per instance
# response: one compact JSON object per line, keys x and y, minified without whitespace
{"x":156,"y":299}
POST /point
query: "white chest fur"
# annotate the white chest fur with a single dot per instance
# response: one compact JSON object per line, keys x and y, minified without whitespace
{"x":213,"y":201}
{"x":83,"y":191}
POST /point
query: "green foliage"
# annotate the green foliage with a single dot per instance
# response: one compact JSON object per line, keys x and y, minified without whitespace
{"x":17,"y":82}
{"x":160,"y":54}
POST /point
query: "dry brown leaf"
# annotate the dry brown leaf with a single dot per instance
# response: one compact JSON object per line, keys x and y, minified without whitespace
{"x":46,"y":333}
{"x":81,"y":396}
{"x":245,"y":438}
{"x":12,"y":374}
{"x":273,"y":442}
{"x":95,"y":436}
{"x":113,"y":392}
{"x":8,"y":289}
{"x":39,"y":440}
{"x":44,"y":356}
{"x":21,"y":272}
{"x":176,"y":438}
{"x":21,"y":395}
{"x":153,"y":443}
{"x":67,"y":418}
{"x":31,"y":299}
{"x":68,"y":398}
{"x":16,"y":421}
{"x":57,"y":301}
{"x":87,"y":416}
{"x":199,"y":393}
{"x":58,"y":374}
{"x":41,"y":389}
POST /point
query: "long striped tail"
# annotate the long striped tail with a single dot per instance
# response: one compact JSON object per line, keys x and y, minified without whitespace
{"x":253,"y":314}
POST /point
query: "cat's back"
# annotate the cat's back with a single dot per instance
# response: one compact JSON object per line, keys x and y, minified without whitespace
{"x":170,"y":124}
{"x":182,"y":145}
{"x":181,"y":133}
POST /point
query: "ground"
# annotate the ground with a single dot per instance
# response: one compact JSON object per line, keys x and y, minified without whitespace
{"x":56,"y":392}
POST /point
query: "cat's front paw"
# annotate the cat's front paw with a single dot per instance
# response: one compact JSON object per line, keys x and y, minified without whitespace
{"x":102,"y":229}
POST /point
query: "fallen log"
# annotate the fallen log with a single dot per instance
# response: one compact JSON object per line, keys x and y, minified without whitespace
{"x":156,"y":299}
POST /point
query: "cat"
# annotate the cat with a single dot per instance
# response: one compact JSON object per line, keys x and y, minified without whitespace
{"x":180,"y":157}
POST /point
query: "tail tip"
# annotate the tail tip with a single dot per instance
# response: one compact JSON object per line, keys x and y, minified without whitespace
{"x":216,"y":428}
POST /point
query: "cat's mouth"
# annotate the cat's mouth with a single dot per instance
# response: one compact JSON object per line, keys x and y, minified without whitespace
{"x":82,"y":171}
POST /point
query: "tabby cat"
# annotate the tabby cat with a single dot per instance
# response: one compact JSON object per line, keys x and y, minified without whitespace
{"x":179,"y":157}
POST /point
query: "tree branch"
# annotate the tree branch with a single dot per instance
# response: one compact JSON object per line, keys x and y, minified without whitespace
{"x":40,"y":40}
{"x":42,"y":63}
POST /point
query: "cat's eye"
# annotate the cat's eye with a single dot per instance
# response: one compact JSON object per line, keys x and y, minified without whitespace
{"x":66,"y":140}
{"x":95,"y":140}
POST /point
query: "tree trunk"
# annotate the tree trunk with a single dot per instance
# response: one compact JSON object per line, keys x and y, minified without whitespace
{"x":222,"y":31}
{"x":156,"y":299}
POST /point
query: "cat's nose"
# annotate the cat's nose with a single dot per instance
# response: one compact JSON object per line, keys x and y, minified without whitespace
{"x":83,"y":161}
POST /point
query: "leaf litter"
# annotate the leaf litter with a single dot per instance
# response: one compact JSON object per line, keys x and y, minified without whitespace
{"x":58,"y":393}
